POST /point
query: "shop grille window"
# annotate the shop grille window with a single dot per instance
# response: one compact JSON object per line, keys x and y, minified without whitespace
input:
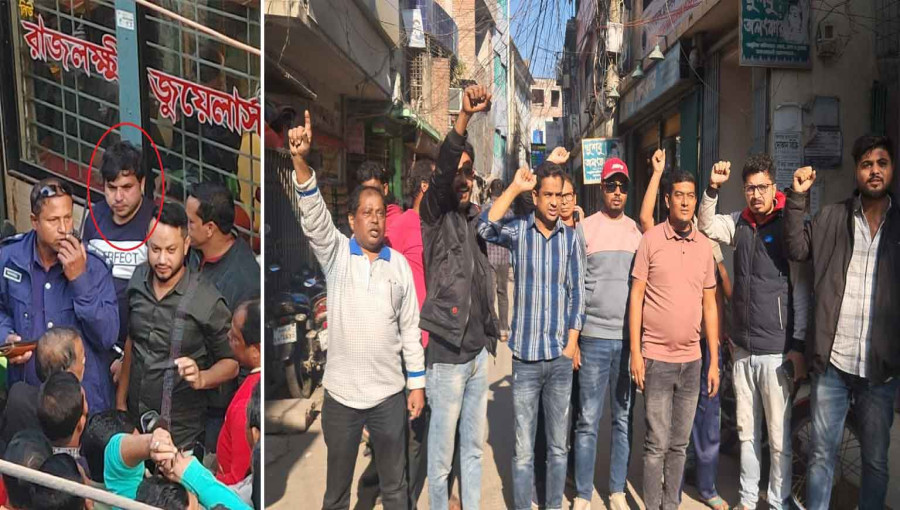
{"x":193,"y":151}
{"x":65,"y":61}
{"x":64,"y":105}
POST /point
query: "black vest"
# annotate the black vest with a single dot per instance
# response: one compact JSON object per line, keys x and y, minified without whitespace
{"x":762,"y":312}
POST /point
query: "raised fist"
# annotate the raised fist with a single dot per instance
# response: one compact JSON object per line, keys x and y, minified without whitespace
{"x":721,"y":171}
{"x":804,"y":179}
{"x":524,"y":180}
{"x":476,"y":98}
{"x":559,"y":156}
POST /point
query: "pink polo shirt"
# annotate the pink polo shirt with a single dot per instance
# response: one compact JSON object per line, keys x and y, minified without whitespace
{"x":403,"y":232}
{"x":676,"y":270}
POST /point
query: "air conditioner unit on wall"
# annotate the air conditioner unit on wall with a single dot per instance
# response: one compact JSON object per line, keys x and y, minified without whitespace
{"x":454,"y":100}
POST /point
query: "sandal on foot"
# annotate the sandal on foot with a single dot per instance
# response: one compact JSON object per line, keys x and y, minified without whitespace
{"x":716,"y":503}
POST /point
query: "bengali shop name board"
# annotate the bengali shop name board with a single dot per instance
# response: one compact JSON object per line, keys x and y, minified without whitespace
{"x":775,"y":33}
{"x":174,"y":95}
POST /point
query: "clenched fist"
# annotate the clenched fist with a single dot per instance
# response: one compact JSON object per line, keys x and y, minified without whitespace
{"x":721,"y":171}
{"x":524,"y":180}
{"x":803,"y":179}
{"x":476,"y":98}
{"x":559,"y":156}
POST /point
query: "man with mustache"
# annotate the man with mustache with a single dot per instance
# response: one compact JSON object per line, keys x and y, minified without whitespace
{"x":548,"y":264}
{"x":160,"y":291}
{"x":611,"y":239}
{"x":457,"y":313}
{"x":768,"y":325}
{"x":854,"y":246}
{"x":673,"y":286}
{"x":51,"y":279}
{"x":374,"y":342}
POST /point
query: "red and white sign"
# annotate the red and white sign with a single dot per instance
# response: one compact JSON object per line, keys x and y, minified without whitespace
{"x":174,"y":94}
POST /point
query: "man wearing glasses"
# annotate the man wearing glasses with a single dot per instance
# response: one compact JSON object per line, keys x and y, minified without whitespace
{"x":768,"y":322}
{"x":610,"y":241}
{"x":50,"y":279}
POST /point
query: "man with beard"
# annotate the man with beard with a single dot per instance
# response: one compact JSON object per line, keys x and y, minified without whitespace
{"x":374,"y":345}
{"x":51,"y":279}
{"x":611,"y":239}
{"x":548,"y":262}
{"x":767,"y":333}
{"x":854,"y":246}
{"x":162,"y":292}
{"x":122,"y":218}
{"x":459,"y":316}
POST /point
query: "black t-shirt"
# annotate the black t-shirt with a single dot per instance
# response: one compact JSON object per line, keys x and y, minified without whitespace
{"x":124,"y":236}
{"x":235,"y":274}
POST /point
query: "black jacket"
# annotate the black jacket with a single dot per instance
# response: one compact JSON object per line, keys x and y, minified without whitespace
{"x":828,"y":241}
{"x":455,"y":258}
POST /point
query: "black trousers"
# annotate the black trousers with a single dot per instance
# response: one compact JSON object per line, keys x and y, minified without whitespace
{"x":416,"y":466}
{"x":342,"y":428}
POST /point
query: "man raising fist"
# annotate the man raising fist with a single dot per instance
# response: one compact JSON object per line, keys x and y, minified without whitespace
{"x":853,"y":246}
{"x":459,"y":317}
{"x":548,"y":260}
{"x":768,"y":326}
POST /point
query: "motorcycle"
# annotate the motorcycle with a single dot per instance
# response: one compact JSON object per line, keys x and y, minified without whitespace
{"x":296,"y":336}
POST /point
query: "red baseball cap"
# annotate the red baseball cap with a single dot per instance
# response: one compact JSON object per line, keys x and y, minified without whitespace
{"x":614,"y":166}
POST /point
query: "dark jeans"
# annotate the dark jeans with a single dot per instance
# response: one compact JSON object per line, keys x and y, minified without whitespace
{"x":671,"y":391}
{"x":832,"y":393}
{"x":501,"y":288}
{"x":416,"y":468}
{"x":533,"y":382}
{"x":706,"y":432}
{"x":342,"y":426}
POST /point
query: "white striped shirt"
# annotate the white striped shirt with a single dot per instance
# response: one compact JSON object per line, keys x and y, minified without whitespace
{"x":373,"y":314}
{"x":853,"y":335}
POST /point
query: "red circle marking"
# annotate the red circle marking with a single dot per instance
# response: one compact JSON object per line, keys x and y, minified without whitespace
{"x":88,"y":183}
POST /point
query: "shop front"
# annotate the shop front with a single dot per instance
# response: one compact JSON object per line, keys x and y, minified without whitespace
{"x":77,"y":68}
{"x":661,"y":111}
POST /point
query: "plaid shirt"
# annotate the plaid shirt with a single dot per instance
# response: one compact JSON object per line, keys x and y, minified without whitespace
{"x":854,"y":328}
{"x":549,"y":283}
{"x":498,"y":255}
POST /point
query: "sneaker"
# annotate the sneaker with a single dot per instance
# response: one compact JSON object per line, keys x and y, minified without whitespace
{"x":581,"y":504}
{"x":617,"y":501}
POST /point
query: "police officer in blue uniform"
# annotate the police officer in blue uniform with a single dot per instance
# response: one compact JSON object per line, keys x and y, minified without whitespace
{"x":49,"y":279}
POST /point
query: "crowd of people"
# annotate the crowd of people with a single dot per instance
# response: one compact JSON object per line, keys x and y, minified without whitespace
{"x":602,"y":306}
{"x":134,"y":346}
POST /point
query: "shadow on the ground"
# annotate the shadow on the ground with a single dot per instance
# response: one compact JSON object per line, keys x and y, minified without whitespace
{"x":502,"y":434}
{"x":281,"y":454}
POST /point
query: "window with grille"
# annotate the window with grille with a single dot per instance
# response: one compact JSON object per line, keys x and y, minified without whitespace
{"x":199,"y":96}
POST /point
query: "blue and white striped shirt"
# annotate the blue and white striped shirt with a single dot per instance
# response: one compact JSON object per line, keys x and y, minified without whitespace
{"x":549,"y":284}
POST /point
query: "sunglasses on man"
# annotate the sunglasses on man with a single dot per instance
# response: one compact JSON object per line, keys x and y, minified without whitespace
{"x":610,"y":186}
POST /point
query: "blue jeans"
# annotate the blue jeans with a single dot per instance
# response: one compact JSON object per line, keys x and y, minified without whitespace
{"x":604,"y":364}
{"x":457,"y":394}
{"x":832,"y":392}
{"x":533,"y":381}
